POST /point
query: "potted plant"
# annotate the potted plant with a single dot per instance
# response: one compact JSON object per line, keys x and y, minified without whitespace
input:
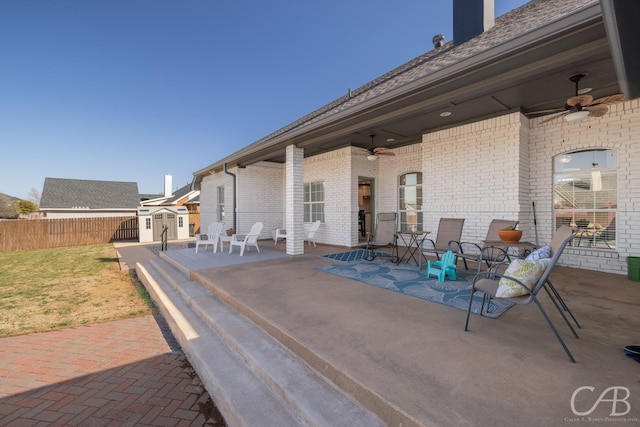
{"x":510,"y":234}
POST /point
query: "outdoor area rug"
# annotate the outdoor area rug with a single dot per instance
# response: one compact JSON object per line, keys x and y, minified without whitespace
{"x":408,"y":280}
{"x":350,"y":256}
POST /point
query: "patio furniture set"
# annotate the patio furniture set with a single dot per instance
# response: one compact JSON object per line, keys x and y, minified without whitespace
{"x":509,"y":275}
{"x":215,"y":234}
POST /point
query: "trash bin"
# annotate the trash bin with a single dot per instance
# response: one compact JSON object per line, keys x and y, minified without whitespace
{"x":192,"y":227}
{"x":633,"y":268}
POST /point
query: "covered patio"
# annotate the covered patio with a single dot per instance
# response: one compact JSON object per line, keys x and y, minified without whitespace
{"x":409,"y":360}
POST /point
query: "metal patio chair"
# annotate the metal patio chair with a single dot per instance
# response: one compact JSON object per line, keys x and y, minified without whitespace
{"x":479,"y":253}
{"x":447,"y":239}
{"x":488,"y":282}
{"x":384,"y":237}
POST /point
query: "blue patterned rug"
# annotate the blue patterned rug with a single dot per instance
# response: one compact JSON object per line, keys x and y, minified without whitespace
{"x":407,"y":280}
{"x":350,"y":256}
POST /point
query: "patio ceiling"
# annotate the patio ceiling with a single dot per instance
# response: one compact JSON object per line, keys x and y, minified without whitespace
{"x":527,"y":73}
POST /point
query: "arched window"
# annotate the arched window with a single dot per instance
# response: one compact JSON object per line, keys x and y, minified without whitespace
{"x":585,"y":196}
{"x":410,"y":201}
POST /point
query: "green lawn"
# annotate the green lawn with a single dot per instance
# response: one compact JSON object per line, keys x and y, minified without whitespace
{"x":42,"y":290}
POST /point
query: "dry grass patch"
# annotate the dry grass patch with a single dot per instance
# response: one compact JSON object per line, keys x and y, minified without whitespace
{"x":48,"y":289}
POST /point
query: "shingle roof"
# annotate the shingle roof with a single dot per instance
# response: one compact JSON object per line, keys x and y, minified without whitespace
{"x":59,"y":193}
{"x":513,"y":24}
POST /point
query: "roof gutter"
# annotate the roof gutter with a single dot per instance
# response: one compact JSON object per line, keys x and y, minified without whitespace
{"x":235,"y":219}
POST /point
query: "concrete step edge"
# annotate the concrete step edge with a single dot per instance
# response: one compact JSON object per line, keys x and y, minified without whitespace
{"x":305,"y":392}
{"x":241,"y":397}
{"x":368,"y":399}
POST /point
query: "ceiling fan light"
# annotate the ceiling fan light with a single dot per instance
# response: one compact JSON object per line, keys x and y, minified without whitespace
{"x":576,"y":116}
{"x":372,"y":157}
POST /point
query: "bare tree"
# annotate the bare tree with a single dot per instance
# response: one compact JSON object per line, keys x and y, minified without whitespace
{"x":34,"y":196}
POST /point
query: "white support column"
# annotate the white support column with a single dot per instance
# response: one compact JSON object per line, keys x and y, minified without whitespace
{"x":294,"y":200}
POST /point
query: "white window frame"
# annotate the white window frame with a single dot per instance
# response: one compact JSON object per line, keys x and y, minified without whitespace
{"x":314,"y":201}
{"x":585,"y":196}
{"x":220,"y":201}
{"x":410,"y":202}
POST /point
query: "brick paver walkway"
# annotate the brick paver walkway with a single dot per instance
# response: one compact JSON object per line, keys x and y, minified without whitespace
{"x":112,"y":374}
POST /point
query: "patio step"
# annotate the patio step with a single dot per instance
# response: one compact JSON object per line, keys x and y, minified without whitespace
{"x":253,"y":378}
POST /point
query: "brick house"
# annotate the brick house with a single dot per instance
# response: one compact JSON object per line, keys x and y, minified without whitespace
{"x":462,"y":122}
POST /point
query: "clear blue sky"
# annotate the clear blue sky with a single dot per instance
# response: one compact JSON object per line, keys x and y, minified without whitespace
{"x":131,"y":90}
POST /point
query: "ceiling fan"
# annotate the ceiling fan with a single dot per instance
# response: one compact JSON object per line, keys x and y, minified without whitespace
{"x":581,"y":106}
{"x":377,"y":151}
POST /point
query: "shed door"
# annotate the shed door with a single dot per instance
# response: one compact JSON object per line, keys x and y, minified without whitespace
{"x":160,"y":220}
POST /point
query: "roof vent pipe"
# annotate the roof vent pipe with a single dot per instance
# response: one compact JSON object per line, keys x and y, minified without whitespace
{"x":438,"y":40}
{"x":471,"y":18}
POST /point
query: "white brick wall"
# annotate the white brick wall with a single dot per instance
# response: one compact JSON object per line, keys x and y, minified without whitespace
{"x":334,"y":170}
{"x":260,"y":197}
{"x":619,"y":130}
{"x":209,"y":199}
{"x":475,"y":172}
{"x":494,"y":168}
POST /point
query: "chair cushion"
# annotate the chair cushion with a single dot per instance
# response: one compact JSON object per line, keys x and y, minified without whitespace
{"x":540,"y":253}
{"x":526,"y":272}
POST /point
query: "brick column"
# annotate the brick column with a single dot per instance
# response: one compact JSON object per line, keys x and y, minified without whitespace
{"x":294,"y":200}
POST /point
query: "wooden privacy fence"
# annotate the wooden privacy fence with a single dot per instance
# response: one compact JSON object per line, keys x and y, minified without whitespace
{"x":26,"y":234}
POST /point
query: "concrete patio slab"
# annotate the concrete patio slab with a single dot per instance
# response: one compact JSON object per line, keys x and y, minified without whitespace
{"x":415,"y":356}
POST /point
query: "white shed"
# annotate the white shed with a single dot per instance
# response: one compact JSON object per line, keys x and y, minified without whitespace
{"x":152,"y":219}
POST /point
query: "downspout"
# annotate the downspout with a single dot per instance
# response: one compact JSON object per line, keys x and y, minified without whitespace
{"x":235,"y":219}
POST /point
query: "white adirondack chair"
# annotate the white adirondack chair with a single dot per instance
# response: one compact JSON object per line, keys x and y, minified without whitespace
{"x":310,"y":232}
{"x":250,"y":239}
{"x":211,"y":237}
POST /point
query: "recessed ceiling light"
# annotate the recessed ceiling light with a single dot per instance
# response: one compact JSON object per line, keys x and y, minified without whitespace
{"x":445,"y":114}
{"x":390,"y":139}
{"x":584,"y":90}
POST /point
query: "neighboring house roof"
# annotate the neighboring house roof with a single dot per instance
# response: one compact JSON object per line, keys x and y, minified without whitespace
{"x":147,"y":196}
{"x":59,"y":193}
{"x":522,"y":63}
{"x":178,"y":196}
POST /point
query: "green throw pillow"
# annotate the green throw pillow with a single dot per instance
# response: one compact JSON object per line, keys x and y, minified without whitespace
{"x":527,"y":272}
